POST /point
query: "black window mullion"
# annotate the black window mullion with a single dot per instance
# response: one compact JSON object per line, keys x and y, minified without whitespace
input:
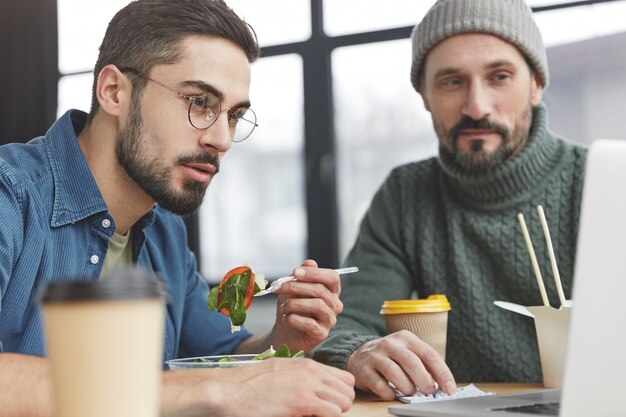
{"x":319,"y":148}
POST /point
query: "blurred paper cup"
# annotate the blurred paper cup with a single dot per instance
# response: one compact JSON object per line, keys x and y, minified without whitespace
{"x":551,"y":326}
{"x":426,"y":318}
{"x":105,"y":344}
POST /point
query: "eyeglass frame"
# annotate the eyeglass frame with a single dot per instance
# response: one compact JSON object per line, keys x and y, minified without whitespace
{"x":191,"y":100}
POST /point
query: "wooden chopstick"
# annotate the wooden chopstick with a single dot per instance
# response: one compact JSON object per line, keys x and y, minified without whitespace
{"x":555,"y":269}
{"x":533,"y":259}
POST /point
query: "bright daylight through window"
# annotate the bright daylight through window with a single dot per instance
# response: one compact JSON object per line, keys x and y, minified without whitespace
{"x":256,"y":213}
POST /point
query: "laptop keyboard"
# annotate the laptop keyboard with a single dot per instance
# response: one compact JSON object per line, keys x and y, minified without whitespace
{"x":543,"y":409}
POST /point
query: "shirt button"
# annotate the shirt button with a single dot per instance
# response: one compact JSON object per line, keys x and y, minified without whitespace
{"x":94,"y":259}
{"x":106,"y":223}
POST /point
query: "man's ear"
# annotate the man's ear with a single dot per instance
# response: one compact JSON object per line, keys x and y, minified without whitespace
{"x":536,"y":89}
{"x":113,"y":90}
{"x":424,"y":97}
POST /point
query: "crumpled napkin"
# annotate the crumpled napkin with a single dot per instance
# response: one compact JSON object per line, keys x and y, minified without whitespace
{"x":462,"y":392}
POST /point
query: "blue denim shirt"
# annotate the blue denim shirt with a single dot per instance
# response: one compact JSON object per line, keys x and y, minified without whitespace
{"x":55,"y":227}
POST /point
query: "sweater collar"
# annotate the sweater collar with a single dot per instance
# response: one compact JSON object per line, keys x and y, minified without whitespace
{"x":514,"y":179}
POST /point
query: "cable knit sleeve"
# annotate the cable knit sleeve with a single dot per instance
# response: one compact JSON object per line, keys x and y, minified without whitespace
{"x":383,"y":275}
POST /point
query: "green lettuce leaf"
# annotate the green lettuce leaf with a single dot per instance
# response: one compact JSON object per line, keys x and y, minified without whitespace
{"x":265,"y":354}
{"x":233,"y":294}
{"x":212,"y":303}
{"x":281,"y":352}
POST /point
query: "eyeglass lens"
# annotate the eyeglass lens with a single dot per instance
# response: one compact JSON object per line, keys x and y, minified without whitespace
{"x":205,"y":109}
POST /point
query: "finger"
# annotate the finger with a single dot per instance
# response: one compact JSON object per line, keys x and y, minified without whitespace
{"x":330,"y":384}
{"x":390,"y":358}
{"x":342,"y":375}
{"x":434,"y":364}
{"x":312,"y":330}
{"x":319,"y":408}
{"x":310,"y":262}
{"x":397,"y":375}
{"x":401,"y":362}
{"x":415,"y":371}
{"x":312,"y":290}
{"x":370,"y":380}
{"x":442,"y":374}
{"x":337,"y":394}
{"x":340,"y":384}
{"x":328,"y":277}
{"x":313,"y":308}
{"x":305,"y":289}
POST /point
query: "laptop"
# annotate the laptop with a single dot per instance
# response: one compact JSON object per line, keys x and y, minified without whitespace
{"x":594,"y":378}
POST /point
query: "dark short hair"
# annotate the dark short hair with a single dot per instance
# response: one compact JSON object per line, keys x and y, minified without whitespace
{"x":146,"y":33}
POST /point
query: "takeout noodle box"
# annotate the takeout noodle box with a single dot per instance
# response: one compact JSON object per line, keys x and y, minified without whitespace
{"x":551,"y":325}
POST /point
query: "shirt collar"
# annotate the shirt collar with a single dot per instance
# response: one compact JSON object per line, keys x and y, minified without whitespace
{"x":76,"y":194}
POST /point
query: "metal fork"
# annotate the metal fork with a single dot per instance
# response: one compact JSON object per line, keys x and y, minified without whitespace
{"x":277,"y":283}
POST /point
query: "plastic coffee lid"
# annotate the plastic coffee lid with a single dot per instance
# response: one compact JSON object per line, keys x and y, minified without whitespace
{"x":121,"y":284}
{"x":435,"y":303}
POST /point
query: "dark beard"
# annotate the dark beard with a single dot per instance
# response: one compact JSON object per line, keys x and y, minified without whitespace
{"x":152,"y":174}
{"x":477,"y":159}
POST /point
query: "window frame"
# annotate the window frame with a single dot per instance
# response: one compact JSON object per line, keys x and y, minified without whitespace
{"x":319,"y":134}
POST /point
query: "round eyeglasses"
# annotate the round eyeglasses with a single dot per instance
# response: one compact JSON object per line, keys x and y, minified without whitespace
{"x":204,"y":110}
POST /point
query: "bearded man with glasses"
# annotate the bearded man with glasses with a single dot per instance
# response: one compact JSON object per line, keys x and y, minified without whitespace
{"x":99,"y":190}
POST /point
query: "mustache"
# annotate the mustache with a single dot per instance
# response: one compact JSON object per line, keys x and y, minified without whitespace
{"x":201,"y":158}
{"x":467,"y":122}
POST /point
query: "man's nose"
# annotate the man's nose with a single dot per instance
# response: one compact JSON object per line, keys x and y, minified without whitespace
{"x":218,"y":136}
{"x":477,"y":102}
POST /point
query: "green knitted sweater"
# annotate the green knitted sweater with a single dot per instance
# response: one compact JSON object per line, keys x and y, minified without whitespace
{"x":433,"y":228}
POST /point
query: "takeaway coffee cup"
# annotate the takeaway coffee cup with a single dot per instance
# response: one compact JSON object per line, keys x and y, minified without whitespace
{"x":426,"y":318}
{"x":105,"y":345}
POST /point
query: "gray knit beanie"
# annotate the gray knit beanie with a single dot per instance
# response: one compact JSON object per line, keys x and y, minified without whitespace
{"x":510,"y":20}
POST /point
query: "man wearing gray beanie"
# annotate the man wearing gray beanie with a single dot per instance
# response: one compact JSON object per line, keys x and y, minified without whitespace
{"x":448,"y":225}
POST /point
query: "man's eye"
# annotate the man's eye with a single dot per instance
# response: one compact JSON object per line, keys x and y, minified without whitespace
{"x":200,"y":101}
{"x":238,"y":114}
{"x":453,"y":82}
{"x":501,"y":77}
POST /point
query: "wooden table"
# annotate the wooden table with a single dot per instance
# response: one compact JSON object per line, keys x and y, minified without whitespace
{"x":370,"y":406}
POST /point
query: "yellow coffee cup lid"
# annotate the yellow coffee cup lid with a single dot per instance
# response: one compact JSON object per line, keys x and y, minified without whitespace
{"x":433,"y":304}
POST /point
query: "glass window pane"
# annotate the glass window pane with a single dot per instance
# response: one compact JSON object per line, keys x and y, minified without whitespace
{"x":380,"y":123}
{"x":276,"y":21}
{"x":254,"y":211}
{"x":81,"y":28}
{"x":82,"y":25}
{"x":74,"y":93}
{"x":590,"y":21}
{"x":586,"y":94}
{"x":353,"y":16}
